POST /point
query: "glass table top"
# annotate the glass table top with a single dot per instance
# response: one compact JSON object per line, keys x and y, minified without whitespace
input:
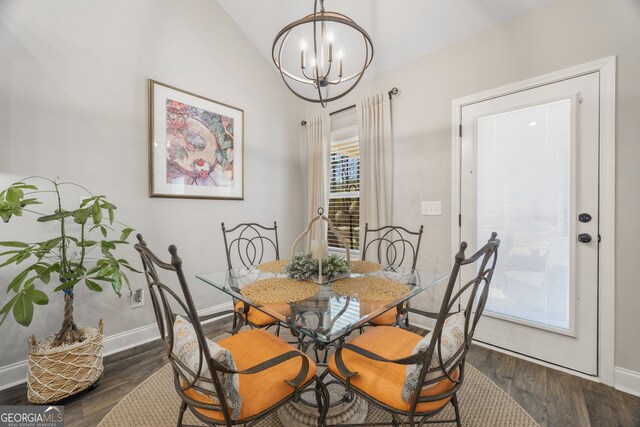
{"x":327,"y":315}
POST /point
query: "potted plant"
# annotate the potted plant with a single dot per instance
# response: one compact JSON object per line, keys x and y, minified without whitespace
{"x":80,"y":253}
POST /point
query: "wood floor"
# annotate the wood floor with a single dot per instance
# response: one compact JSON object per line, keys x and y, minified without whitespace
{"x":553,"y":398}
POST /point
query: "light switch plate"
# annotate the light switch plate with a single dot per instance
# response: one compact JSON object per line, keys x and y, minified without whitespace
{"x":432,"y":208}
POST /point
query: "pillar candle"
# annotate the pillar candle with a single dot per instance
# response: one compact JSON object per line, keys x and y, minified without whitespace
{"x":316,"y":253}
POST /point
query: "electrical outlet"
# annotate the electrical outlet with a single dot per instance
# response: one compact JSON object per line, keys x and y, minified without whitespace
{"x":137,"y":298}
{"x":432,"y":208}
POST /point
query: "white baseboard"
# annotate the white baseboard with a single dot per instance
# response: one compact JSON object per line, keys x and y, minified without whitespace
{"x":16,"y":373}
{"x":628,"y":381}
{"x":13,"y":374}
{"x":422,"y":322}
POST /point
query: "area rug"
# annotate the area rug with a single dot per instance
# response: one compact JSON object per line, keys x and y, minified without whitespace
{"x":154,"y":403}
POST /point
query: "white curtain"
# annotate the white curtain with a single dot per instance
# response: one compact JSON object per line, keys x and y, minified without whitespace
{"x":376,"y":161}
{"x":318,"y":153}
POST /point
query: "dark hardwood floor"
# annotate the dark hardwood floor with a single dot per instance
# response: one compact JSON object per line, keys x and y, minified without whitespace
{"x":553,"y":398}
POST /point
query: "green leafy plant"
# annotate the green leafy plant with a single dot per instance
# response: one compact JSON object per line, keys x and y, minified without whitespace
{"x":333,"y":265}
{"x":75,"y":255}
{"x":304,"y":266}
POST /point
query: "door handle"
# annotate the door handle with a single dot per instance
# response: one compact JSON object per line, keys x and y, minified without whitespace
{"x":584,"y":237}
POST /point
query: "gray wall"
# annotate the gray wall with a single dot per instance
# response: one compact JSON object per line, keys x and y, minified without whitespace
{"x":73,"y":104}
{"x":561,"y":34}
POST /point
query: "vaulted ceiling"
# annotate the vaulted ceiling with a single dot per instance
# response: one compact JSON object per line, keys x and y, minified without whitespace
{"x":402,"y":30}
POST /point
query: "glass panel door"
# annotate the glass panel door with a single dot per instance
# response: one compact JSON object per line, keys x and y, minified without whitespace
{"x":529,"y":170}
{"x":523,"y":184}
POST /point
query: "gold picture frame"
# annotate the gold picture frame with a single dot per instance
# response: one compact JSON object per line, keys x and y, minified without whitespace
{"x":196,"y":145}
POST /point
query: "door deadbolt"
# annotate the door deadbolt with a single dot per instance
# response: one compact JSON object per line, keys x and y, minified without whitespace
{"x":584,"y":217}
{"x":584,"y":237}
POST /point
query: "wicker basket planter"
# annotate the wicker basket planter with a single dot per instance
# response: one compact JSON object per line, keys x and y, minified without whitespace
{"x":59,"y":372}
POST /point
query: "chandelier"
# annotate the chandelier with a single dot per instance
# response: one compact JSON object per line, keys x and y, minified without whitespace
{"x":310,"y":71}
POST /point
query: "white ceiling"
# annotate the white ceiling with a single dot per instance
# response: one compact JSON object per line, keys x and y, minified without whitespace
{"x":401,"y":30}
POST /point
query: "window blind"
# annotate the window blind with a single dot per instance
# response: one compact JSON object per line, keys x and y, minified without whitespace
{"x":344,"y":187}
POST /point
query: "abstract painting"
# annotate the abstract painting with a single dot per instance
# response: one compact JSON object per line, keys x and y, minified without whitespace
{"x":196,"y":145}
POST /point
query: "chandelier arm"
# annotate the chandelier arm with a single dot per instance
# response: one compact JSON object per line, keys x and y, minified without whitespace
{"x":278,"y":62}
{"x":351,"y":77}
{"x":347,"y":90}
{"x":328,"y":71}
{"x":309,"y":80}
{"x":367,"y":62}
{"x":305,"y":74}
{"x":305,"y":98}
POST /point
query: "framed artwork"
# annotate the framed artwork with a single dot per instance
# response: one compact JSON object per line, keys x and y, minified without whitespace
{"x":195,"y":146}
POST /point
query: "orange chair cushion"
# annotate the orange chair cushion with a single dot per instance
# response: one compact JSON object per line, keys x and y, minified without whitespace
{"x":388,"y":318}
{"x":383,"y":380}
{"x":260,"y":318}
{"x":261,"y":390}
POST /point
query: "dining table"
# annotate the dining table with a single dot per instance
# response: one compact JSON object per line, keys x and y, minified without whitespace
{"x":321,"y":316}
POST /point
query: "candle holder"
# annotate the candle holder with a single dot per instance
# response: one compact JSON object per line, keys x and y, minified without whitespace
{"x":319,"y":248}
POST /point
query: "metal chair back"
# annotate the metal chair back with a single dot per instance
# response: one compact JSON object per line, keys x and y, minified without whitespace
{"x":165,"y":300}
{"x":249,"y":244}
{"x":391,"y":245}
{"x":470,"y":299}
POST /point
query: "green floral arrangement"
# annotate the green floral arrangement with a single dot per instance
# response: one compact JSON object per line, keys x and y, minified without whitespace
{"x":304,"y":266}
{"x":334,"y":265}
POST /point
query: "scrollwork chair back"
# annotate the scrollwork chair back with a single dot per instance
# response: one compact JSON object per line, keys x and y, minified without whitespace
{"x":392,"y":246}
{"x":250,"y":244}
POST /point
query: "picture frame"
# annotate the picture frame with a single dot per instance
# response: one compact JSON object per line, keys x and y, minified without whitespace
{"x":196,"y":145}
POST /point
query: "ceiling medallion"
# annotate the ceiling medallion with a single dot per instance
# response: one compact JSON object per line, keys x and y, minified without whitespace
{"x":317,"y":69}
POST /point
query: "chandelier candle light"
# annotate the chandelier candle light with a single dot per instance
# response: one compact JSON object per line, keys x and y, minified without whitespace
{"x":321,"y":28}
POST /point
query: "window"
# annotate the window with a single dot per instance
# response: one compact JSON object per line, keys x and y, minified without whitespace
{"x":344,"y":187}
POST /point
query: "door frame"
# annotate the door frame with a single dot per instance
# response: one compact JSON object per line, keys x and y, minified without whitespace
{"x":606,"y":188}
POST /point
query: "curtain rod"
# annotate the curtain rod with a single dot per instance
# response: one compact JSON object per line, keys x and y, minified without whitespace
{"x":343,"y":109}
{"x":392,"y":92}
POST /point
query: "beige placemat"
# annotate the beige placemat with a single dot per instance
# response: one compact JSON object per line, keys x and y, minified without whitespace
{"x":363,"y":267}
{"x":371,"y":288}
{"x":273,"y":266}
{"x":277,"y":290}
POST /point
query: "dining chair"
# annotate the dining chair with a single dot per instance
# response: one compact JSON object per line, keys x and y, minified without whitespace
{"x":236,"y":380}
{"x":393,"y":247}
{"x":247,"y":245}
{"x":414,"y":377}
